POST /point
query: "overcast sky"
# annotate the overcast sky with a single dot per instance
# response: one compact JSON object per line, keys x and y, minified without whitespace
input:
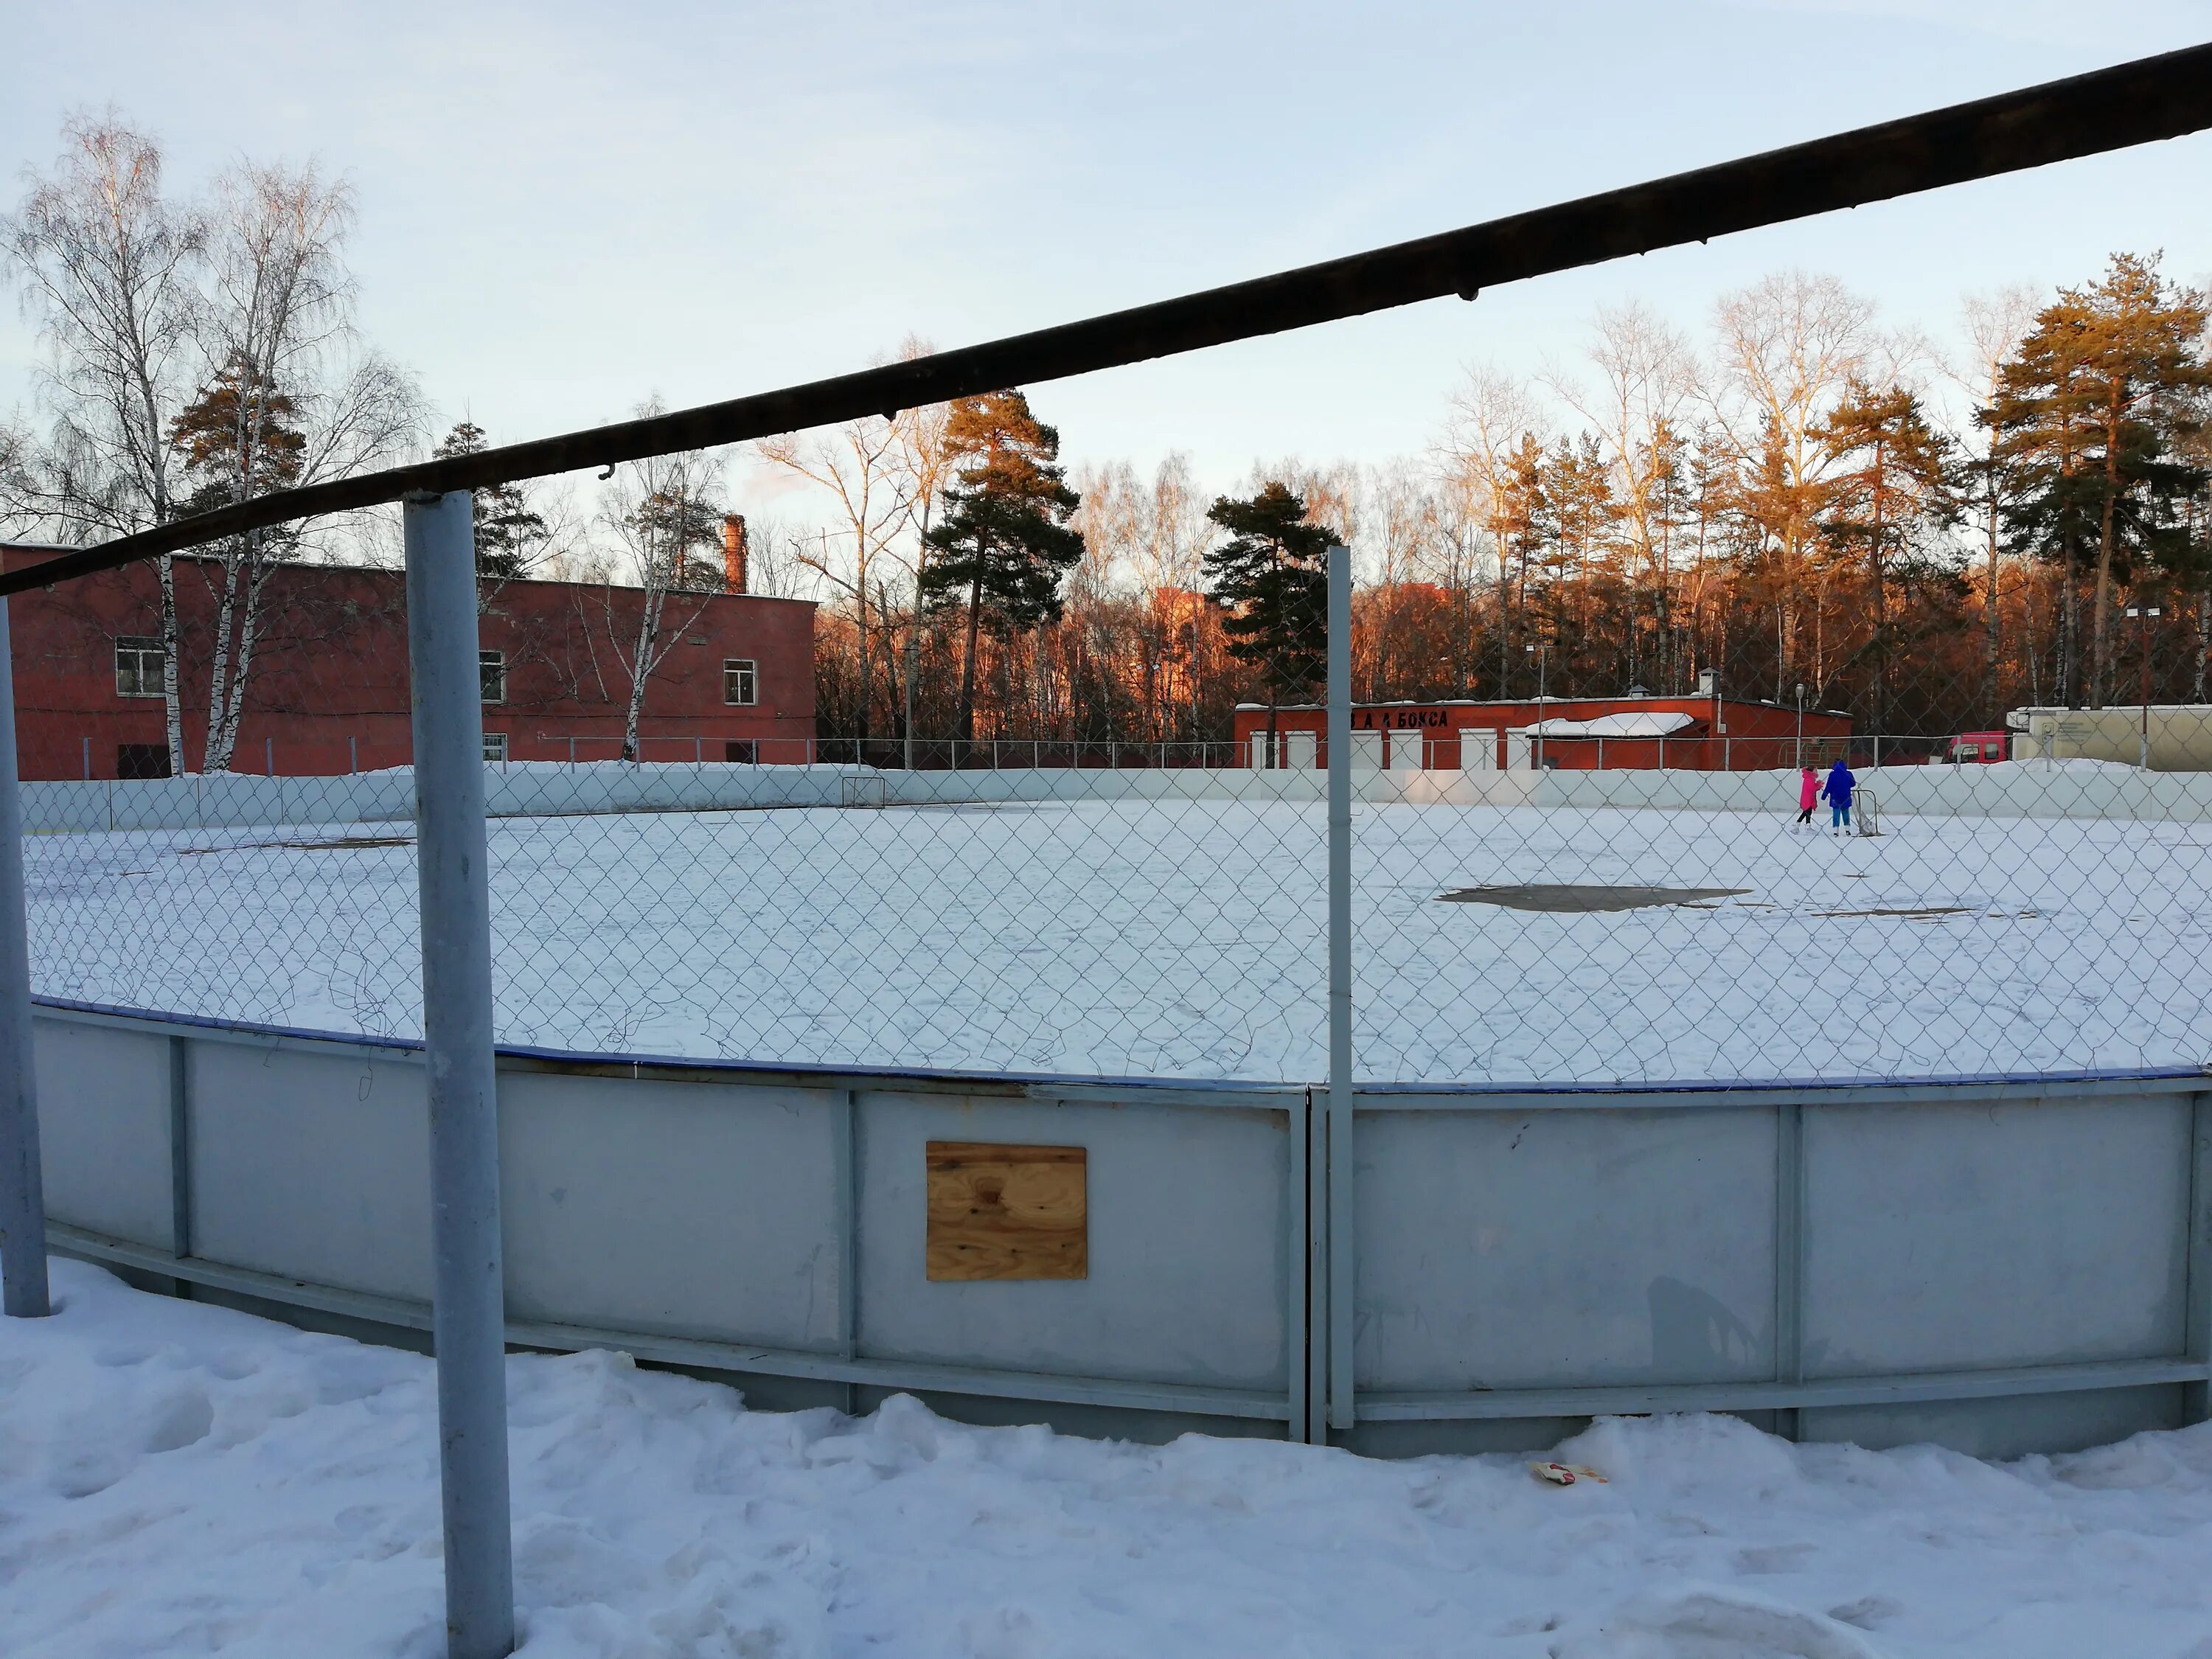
{"x":566,"y":206}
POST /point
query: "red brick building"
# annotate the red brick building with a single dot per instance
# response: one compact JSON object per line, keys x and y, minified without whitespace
{"x":327,"y":692}
{"x":1703,"y":732}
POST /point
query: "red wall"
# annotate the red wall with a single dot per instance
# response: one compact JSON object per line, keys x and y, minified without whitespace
{"x":1758,"y":735}
{"x":328,"y":690}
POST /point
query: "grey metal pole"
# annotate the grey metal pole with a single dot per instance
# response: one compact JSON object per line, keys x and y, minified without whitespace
{"x":468,"y":1319}
{"x":22,"y":1191}
{"x":1340,"y":990}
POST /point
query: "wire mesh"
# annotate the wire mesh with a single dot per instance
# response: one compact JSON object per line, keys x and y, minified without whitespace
{"x":1575,"y":885}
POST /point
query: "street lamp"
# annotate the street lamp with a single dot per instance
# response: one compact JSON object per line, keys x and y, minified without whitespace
{"x":2142,"y":613}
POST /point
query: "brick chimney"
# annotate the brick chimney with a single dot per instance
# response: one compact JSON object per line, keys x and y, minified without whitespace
{"x":736,"y":544}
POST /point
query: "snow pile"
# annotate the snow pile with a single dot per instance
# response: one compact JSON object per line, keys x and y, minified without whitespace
{"x":180,"y":1478}
{"x":1637,"y":725}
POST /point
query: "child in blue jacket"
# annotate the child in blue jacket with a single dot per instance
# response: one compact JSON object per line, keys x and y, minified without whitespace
{"x":1837,"y":792}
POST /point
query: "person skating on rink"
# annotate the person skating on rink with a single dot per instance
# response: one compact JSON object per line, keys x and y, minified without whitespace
{"x":1837,"y":792}
{"x":1808,"y":794}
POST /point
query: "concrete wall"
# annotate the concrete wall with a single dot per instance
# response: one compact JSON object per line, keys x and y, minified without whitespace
{"x":2001,"y":1267}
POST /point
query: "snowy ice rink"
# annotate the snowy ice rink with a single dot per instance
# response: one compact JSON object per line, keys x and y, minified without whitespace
{"x":176,"y":1478}
{"x":1185,"y":938}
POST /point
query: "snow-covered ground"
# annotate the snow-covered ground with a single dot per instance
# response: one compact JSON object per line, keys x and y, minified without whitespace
{"x":177,"y":1478}
{"x":1185,"y":938}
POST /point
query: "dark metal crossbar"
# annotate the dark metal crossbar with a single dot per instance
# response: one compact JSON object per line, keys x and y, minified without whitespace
{"x":2133,"y":103}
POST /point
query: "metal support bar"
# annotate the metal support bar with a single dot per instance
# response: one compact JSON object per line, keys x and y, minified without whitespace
{"x":181,"y":1146}
{"x":2197,"y":1396}
{"x":845,"y":1201}
{"x":1789,"y":1250}
{"x":23,"y":1293}
{"x":1908,"y":1387}
{"x":1339,"y":1162}
{"x":892,"y":1375}
{"x":1297,"y":1322}
{"x":468,"y":1318}
{"x":1316,"y":1350}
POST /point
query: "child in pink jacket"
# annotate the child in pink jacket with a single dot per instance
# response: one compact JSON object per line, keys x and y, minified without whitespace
{"x":1808,"y":792}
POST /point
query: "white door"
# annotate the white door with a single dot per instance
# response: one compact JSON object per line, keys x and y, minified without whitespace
{"x":1478,"y":749}
{"x":1302,"y":750}
{"x":1258,"y":751}
{"x":1366,"y":751}
{"x":1405,"y":749}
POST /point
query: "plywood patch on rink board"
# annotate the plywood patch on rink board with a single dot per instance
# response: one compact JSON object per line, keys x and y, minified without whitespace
{"x":1002,"y":1212}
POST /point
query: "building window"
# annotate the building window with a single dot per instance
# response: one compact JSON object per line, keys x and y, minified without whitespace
{"x":740,"y":680}
{"x":495,"y":745}
{"x":492,"y":666}
{"x":142,"y":760}
{"x":138,"y":668}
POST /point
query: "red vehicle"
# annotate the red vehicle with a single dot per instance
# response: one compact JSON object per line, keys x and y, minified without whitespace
{"x":1972,"y":749}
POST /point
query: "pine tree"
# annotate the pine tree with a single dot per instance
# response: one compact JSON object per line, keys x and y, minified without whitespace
{"x":509,"y":536}
{"x":1894,"y":478}
{"x":683,"y":530}
{"x":1524,"y":523}
{"x":1584,"y":521}
{"x":239,"y":439}
{"x":2040,"y":420}
{"x":2088,"y":416}
{"x":1272,"y":576}
{"x":1005,"y":542}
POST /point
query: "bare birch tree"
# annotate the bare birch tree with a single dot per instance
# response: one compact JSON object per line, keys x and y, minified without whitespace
{"x":287,"y":398}
{"x":1646,"y":377}
{"x":1493,"y":417}
{"x":107,"y":263}
{"x":663,"y":513}
{"x":1788,"y":346}
{"x":860,"y":465}
{"x":1994,"y":323}
{"x":925,"y":461}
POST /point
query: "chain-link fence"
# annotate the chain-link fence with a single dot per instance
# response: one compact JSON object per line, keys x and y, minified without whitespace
{"x":1709,"y":887}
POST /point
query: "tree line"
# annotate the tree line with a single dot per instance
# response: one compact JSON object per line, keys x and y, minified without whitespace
{"x":1799,"y":498}
{"x":1924,"y":537}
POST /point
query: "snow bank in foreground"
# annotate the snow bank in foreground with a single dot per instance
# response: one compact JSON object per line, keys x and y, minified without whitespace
{"x":181,"y":1479}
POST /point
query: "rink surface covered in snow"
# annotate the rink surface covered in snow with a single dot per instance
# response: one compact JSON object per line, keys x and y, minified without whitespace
{"x":179,"y":1479}
{"x":1187,"y":938}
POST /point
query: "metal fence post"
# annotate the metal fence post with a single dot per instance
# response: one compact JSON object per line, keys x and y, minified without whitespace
{"x":468,"y":1319}
{"x":1335,"y":1335}
{"x":23,"y":1293}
